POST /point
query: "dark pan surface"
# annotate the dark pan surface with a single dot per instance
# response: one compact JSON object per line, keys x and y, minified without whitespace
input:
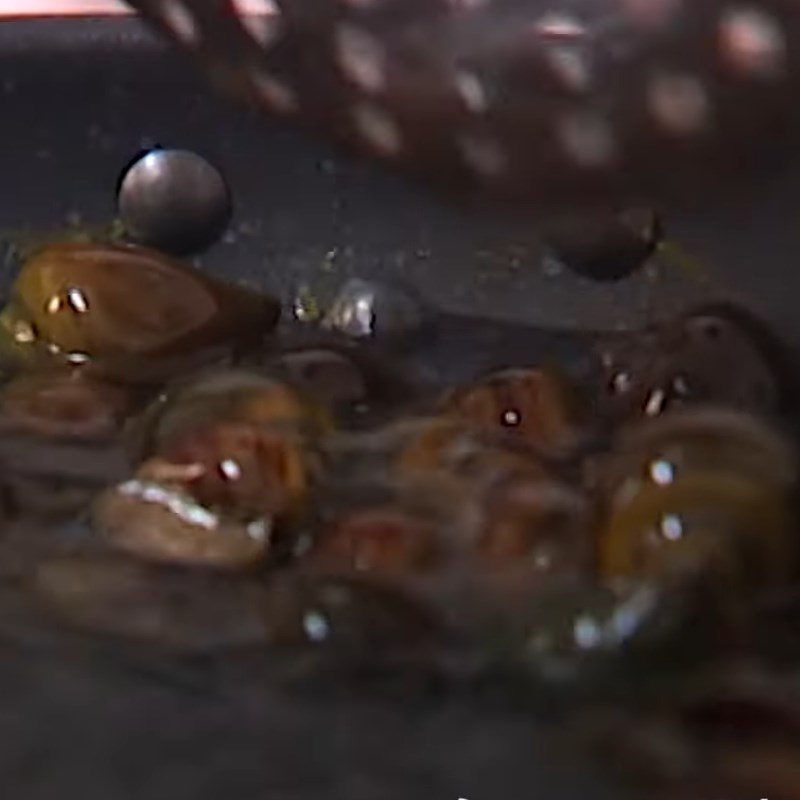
{"x":79,"y":98}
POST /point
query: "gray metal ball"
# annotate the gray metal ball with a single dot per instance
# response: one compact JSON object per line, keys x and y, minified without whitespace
{"x":174,"y":200}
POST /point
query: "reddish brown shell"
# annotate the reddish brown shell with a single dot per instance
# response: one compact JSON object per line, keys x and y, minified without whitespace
{"x":533,"y":406}
{"x":245,"y":469}
{"x":123,"y":301}
{"x":162,"y":522}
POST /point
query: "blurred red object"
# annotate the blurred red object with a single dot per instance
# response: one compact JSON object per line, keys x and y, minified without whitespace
{"x":70,"y":8}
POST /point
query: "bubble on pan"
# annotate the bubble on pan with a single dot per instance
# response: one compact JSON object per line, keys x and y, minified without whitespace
{"x":259,"y":18}
{"x":172,"y":199}
{"x":679,"y":103}
{"x":378,"y":310}
{"x":180,"y":21}
{"x":752,"y":42}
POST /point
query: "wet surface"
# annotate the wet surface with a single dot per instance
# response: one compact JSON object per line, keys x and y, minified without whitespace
{"x":303,"y":216}
{"x":200,"y":727}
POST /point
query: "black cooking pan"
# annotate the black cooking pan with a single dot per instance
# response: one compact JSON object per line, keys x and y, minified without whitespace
{"x":82,"y":719}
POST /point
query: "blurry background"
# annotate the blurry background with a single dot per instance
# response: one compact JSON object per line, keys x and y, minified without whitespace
{"x":82,"y":96}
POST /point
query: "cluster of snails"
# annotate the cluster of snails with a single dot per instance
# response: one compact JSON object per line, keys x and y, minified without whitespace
{"x":240,"y":487}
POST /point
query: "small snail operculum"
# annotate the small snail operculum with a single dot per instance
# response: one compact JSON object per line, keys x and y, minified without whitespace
{"x":533,"y":406}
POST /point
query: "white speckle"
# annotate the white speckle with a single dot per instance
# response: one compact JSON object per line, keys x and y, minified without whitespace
{"x":511,"y":417}
{"x":587,"y":140}
{"x":542,"y":561}
{"x":679,"y":103}
{"x":364,"y":309}
{"x":305,"y":305}
{"x":167,"y":472}
{"x":316,"y":626}
{"x":621,"y":382}
{"x":552,"y":266}
{"x":482,"y":154}
{"x":179,"y":19}
{"x":361,"y":58}
{"x":230,"y":469}
{"x":671,"y":527}
{"x":53,"y":304}
{"x":360,"y":315}
{"x":24,"y":332}
{"x":259,"y":530}
{"x":179,"y":505}
{"x":77,"y":358}
{"x":587,"y":633}
{"x":77,"y":300}
{"x":278,"y":95}
{"x":662,"y":472}
{"x":655,"y":403}
{"x":259,"y":18}
{"x":752,"y":42}
{"x":554,"y":25}
{"x":378,"y":129}
{"x":630,"y":615}
{"x":472,"y":92}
